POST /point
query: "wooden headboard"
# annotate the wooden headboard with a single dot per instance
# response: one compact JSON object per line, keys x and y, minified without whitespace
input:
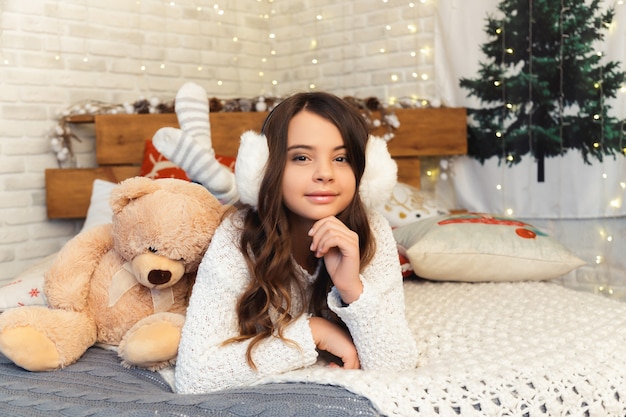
{"x":120,"y":141}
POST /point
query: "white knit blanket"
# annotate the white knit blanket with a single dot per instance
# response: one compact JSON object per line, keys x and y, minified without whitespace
{"x":500,"y":349}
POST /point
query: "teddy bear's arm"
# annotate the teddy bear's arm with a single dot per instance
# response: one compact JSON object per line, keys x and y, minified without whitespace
{"x":66,"y":283}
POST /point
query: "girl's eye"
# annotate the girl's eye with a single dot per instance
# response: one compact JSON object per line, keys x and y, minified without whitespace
{"x":341,"y":158}
{"x":300,"y":158}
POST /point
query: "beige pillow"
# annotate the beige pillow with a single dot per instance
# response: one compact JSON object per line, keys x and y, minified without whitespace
{"x":482,"y":247}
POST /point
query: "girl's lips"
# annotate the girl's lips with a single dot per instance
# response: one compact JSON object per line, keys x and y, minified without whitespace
{"x":321,"y":197}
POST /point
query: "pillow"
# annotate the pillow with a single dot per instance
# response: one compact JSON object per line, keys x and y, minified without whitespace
{"x":27,"y":288}
{"x":405,"y":266}
{"x":155,"y":165}
{"x":477,"y":247}
{"x":408,"y":204}
{"x":99,"y":211}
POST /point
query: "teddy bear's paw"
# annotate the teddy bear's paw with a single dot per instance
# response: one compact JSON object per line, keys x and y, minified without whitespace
{"x":37,"y":338}
{"x":29,"y":348}
{"x":153,"y":342}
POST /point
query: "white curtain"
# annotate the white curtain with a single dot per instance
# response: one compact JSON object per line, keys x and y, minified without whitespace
{"x":496,"y":187}
{"x":572,"y":189}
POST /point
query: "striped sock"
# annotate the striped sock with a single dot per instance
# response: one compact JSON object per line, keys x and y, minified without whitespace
{"x":201,"y":166}
{"x":192,"y":110}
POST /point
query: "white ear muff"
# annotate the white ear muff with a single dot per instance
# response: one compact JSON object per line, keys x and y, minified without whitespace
{"x":250,"y":166}
{"x":381,"y":173}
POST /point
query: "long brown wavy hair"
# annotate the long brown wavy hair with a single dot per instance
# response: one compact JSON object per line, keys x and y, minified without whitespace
{"x":266,"y":241}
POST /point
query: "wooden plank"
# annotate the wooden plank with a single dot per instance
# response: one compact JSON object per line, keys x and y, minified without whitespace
{"x":409,"y":171}
{"x":68,"y":190}
{"x":120,"y":139}
{"x":429,"y":132}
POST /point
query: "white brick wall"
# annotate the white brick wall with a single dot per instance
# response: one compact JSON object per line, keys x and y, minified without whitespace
{"x":55,"y":53}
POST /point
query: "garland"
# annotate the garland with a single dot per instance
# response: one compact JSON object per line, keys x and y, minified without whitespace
{"x":61,"y":136}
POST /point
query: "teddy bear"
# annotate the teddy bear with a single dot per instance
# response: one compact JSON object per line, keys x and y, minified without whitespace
{"x":125,"y":284}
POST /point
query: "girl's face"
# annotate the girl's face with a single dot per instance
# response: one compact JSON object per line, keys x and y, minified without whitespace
{"x":318,"y":180}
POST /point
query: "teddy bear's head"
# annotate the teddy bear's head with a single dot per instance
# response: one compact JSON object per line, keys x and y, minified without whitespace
{"x":163,"y":227}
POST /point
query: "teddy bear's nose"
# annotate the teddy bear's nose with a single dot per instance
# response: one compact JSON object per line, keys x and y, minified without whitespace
{"x":158,"y":276}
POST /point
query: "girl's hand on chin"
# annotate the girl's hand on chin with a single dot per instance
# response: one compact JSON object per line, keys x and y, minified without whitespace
{"x":339,"y":246}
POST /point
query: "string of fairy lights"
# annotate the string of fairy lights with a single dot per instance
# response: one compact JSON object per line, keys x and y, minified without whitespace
{"x":603,"y":231}
{"x":508,"y":106}
{"x":265,"y":70}
{"x":155,"y":47}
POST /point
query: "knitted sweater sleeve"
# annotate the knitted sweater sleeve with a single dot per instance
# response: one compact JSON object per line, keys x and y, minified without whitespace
{"x":204,"y":362}
{"x":377,"y":320}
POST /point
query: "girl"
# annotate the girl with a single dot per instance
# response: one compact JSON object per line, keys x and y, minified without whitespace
{"x":304,"y":267}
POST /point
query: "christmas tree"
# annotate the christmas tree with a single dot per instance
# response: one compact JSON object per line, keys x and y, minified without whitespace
{"x":544,"y":85}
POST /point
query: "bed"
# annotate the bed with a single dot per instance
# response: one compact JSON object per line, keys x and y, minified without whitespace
{"x":496,"y":335}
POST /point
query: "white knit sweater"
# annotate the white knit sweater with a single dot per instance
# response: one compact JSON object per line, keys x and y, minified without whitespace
{"x":376,"y":321}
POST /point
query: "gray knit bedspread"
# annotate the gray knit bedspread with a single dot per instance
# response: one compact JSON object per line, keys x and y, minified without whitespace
{"x":97,"y":385}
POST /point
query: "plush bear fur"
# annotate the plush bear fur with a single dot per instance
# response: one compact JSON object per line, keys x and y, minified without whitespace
{"x":124,"y":284}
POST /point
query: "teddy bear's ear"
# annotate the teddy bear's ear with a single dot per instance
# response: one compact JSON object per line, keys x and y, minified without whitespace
{"x":129,"y":190}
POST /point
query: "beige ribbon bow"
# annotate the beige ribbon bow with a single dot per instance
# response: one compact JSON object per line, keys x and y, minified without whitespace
{"x":124,"y":279}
